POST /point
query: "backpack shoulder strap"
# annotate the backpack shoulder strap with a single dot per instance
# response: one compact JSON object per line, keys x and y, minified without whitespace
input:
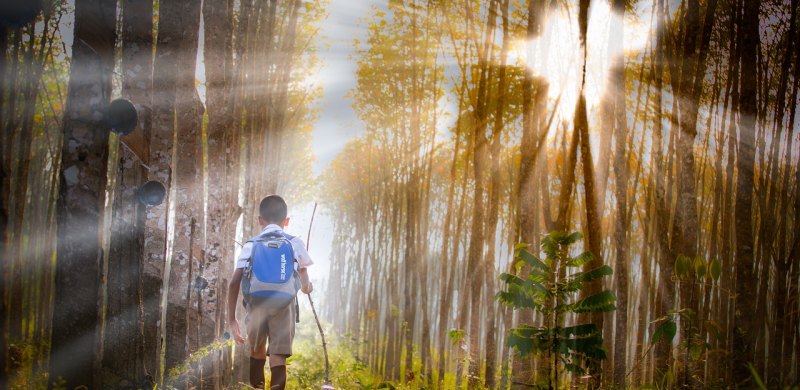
{"x":253,"y":241}
{"x":290,"y":238}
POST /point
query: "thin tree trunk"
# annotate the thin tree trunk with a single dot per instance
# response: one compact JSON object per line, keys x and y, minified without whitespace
{"x":534,"y":97}
{"x":160,"y":218}
{"x":4,"y":207}
{"x":447,"y":270}
{"x":744,"y":323}
{"x":622,"y":223}
{"x":493,"y":206}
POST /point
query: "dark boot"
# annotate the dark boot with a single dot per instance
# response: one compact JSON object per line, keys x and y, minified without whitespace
{"x":278,"y":379}
{"x":257,"y":372}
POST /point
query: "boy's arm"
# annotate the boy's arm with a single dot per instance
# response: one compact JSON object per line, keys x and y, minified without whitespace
{"x":233,"y":296}
{"x":305,"y":282}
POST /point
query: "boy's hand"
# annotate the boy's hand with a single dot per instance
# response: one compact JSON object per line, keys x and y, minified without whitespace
{"x":307,"y":288}
{"x":237,"y":333}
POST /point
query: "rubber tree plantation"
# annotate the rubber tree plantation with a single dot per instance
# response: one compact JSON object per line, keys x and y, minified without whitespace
{"x":507,"y":194}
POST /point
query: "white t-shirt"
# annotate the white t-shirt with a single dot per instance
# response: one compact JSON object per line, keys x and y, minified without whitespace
{"x":300,"y":253}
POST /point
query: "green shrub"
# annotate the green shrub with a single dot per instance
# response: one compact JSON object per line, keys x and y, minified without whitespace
{"x":550,"y":288}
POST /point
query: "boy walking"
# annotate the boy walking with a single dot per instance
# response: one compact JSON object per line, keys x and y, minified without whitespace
{"x":270,"y":314}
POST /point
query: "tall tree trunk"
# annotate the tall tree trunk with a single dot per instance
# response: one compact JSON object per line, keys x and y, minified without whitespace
{"x":4,"y":207}
{"x":477,"y":230}
{"x":534,"y":98}
{"x":82,"y":195}
{"x":622,"y":223}
{"x":778,"y":202}
{"x":686,"y":229}
{"x":666,"y":287}
{"x":594,"y":232}
{"x":411,"y":166}
{"x":188,"y":260}
{"x":447,"y":270}
{"x":218,"y":53}
{"x":788,"y":266}
{"x":124,"y":342}
{"x":130,"y":341}
{"x":159,"y":218}
{"x":744,"y":322}
{"x":493,"y":206}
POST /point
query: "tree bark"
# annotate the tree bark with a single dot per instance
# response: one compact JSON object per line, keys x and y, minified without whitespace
{"x":493,"y":206}
{"x":130,"y":344}
{"x":187,"y":260}
{"x":744,"y":323}
{"x":478,"y":230}
{"x":4,"y":207}
{"x":82,"y":195}
{"x":223,"y":209}
{"x":622,"y":223}
{"x":124,"y":346}
{"x":534,"y":98}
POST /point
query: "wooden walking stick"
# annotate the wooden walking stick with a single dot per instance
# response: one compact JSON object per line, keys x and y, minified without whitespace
{"x":327,"y":385}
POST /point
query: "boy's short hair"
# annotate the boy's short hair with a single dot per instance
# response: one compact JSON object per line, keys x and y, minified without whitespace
{"x":273,"y":209}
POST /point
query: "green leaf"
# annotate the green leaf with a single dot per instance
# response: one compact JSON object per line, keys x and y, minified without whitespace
{"x":572,"y":238}
{"x":700,"y":266}
{"x":715,"y":269}
{"x":510,"y":278}
{"x":581,"y":330}
{"x":681,"y":266}
{"x":580,"y":260}
{"x":516,"y":299}
{"x":519,"y":293}
{"x":550,"y":246}
{"x":559,"y":237}
{"x":529,"y":339}
{"x":666,"y":331}
{"x":533,"y":261}
{"x":540,"y":291}
{"x":597,"y":303}
{"x":588,"y":276}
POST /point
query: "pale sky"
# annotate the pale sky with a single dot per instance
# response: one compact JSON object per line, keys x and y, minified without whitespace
{"x":338,"y":123}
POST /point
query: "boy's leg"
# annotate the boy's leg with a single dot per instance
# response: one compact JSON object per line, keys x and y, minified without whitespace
{"x":257,"y":372}
{"x":281,"y":335}
{"x":257,"y":337}
{"x":277,"y":369}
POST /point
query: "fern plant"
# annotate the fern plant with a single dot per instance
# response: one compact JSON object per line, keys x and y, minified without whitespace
{"x":552,"y":287}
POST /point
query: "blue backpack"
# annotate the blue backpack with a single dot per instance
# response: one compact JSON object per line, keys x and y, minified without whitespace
{"x":270,"y":279}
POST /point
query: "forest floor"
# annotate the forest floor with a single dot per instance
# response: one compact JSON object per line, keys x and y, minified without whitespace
{"x":306,"y":367}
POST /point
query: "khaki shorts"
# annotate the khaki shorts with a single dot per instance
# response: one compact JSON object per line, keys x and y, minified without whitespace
{"x":275,"y":326}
